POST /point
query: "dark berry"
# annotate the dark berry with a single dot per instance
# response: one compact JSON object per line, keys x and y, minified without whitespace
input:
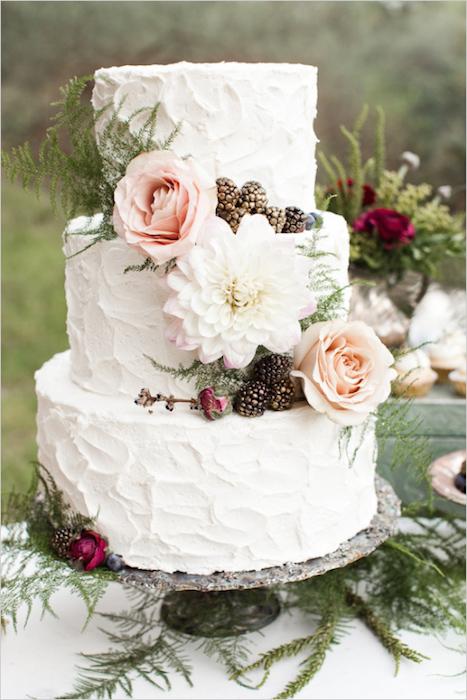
{"x":459,"y":482}
{"x":114,"y":562}
{"x":311,"y":220}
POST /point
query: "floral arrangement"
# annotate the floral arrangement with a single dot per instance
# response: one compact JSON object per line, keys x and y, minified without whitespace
{"x":395,"y":226}
{"x":238,"y":276}
{"x":235,"y":286}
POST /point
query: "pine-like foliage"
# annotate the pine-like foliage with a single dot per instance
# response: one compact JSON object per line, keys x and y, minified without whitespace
{"x":414,"y":581}
{"x":31,"y":570}
{"x":68,"y":160}
{"x":395,"y":422}
{"x":224,"y":381}
{"x":322,"y":280}
{"x":80,"y":171}
{"x":141,"y":647}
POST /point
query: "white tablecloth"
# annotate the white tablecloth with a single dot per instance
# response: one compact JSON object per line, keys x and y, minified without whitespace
{"x":39,"y":662}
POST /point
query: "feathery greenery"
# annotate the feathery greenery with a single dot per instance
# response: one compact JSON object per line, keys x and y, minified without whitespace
{"x":151,"y":266}
{"x":31,"y":570}
{"x":222,"y":380}
{"x":80,"y":170}
{"x":414,"y":581}
{"x":141,"y":647}
{"x":409,"y":447}
{"x":148,"y":264}
{"x":68,"y":160}
{"x":322,"y":280}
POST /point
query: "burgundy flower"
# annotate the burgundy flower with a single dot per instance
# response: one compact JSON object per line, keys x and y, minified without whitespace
{"x":393,"y":229}
{"x":368,"y":195}
{"x":213,"y":406}
{"x":89,"y":548}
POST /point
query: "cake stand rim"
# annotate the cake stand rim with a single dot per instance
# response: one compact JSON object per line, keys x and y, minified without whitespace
{"x":382,"y":526}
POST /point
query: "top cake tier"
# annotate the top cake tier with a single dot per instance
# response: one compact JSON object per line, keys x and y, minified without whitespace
{"x":245,"y":121}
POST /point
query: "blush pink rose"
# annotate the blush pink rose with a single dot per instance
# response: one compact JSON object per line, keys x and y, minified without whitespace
{"x":345,"y":370}
{"x":162,"y":204}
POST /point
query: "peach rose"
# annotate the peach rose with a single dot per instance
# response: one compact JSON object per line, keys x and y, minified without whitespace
{"x":345,"y":370}
{"x":162,"y":204}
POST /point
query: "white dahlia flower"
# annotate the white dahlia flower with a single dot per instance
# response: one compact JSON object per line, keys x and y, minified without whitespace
{"x":232,"y":293}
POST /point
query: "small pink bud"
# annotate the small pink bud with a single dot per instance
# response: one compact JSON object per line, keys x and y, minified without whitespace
{"x":213,"y":406}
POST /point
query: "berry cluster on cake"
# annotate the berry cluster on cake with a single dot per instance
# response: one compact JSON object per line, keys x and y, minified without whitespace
{"x":215,"y":410}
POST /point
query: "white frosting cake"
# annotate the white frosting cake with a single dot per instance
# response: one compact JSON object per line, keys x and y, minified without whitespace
{"x":115,"y":321}
{"x":238,"y":120}
{"x":174,"y":491}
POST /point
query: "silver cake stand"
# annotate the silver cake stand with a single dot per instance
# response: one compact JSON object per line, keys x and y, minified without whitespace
{"x":244,"y":601}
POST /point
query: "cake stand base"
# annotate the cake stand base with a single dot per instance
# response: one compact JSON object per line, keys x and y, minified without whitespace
{"x":228,"y":603}
{"x":220,"y":613}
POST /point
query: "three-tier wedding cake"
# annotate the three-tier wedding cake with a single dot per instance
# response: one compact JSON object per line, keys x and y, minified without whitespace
{"x":219,"y":291}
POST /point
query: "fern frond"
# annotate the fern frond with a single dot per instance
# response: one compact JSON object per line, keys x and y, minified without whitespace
{"x":165,"y":145}
{"x":226,"y":381}
{"x":80,"y":173}
{"x":148,"y":264}
{"x":393,"y":644}
{"x":321,"y":642}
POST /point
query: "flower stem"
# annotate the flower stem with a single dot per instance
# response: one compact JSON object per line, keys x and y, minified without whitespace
{"x":146,"y":399}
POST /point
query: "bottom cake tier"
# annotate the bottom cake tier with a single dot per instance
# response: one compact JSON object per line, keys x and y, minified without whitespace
{"x":175,"y":492}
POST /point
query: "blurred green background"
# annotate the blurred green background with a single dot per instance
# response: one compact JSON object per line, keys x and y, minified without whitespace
{"x":407,"y":56}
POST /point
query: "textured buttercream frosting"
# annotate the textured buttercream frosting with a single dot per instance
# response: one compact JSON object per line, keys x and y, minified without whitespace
{"x":173,"y":491}
{"x":116,"y":321}
{"x":246,"y":121}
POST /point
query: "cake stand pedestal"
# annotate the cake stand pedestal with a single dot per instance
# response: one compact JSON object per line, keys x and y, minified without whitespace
{"x":239,"y":602}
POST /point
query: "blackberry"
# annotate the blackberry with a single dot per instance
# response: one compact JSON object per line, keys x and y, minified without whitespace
{"x":282,"y":395}
{"x":272,"y":368}
{"x":228,"y":195}
{"x":233,"y":217}
{"x":252,"y":399}
{"x":253,"y":197}
{"x":295,"y":220}
{"x":276,"y":218}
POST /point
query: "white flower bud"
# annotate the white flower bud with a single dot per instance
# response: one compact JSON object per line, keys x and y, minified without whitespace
{"x":445,"y":191}
{"x":411,"y":159}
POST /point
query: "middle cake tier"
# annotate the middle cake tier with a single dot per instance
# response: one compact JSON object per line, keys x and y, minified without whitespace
{"x":116,"y":320}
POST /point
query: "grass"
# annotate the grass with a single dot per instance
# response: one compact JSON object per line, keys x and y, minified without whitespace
{"x":33,"y":321}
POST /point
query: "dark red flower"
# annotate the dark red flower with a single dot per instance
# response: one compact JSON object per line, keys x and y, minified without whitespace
{"x":89,"y":548}
{"x":393,"y":229}
{"x":368,"y":196}
{"x":213,"y":406}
